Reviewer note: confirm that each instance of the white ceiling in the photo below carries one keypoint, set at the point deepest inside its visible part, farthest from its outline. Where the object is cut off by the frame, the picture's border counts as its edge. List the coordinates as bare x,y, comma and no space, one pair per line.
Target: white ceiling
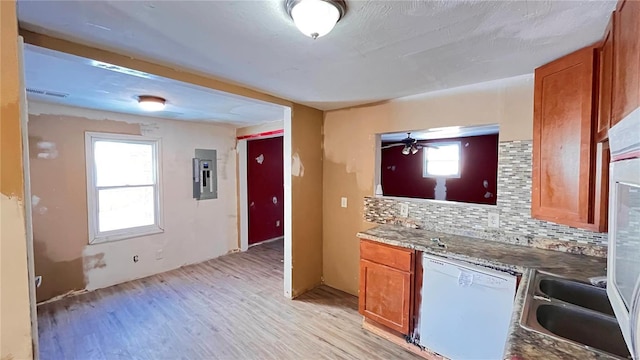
90,84
443,133
379,50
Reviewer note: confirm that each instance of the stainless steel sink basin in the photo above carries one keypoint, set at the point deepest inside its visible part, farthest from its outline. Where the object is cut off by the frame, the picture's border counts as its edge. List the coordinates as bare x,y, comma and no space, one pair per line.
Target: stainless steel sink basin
572,311
582,326
577,293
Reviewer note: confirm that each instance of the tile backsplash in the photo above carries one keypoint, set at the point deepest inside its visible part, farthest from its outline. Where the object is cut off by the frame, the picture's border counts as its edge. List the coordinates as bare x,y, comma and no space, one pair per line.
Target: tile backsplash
513,206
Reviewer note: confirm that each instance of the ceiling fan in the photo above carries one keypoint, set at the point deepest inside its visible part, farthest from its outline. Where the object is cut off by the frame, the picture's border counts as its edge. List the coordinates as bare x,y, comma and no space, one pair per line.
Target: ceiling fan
410,145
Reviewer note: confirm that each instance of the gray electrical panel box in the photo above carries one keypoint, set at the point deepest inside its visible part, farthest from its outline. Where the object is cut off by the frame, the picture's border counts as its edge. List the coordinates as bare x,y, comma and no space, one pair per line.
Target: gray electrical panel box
205,175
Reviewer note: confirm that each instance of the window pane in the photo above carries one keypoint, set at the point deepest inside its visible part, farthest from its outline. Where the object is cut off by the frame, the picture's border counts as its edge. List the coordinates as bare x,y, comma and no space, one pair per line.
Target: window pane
443,160
442,168
443,152
119,163
124,208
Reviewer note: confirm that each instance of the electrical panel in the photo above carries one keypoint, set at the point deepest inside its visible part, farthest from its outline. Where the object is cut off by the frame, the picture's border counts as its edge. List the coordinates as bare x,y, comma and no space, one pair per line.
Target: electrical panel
205,175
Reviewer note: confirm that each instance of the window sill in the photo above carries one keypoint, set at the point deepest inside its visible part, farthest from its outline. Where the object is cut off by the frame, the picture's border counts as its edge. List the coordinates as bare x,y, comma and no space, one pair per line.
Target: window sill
96,240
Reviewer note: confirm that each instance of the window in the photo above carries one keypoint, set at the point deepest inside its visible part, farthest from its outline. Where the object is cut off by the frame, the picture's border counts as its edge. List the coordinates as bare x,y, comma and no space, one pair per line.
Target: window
123,189
442,160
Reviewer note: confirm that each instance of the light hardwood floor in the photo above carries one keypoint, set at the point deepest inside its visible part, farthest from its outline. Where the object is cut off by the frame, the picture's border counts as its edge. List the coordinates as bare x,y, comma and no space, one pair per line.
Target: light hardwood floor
231,307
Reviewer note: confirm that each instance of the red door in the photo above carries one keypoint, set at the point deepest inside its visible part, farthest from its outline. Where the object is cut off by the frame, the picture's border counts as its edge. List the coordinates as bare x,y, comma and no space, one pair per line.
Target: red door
265,189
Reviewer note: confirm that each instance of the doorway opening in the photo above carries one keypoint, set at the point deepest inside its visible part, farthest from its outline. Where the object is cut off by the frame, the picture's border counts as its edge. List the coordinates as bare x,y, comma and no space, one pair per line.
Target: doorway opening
100,265
265,189
264,179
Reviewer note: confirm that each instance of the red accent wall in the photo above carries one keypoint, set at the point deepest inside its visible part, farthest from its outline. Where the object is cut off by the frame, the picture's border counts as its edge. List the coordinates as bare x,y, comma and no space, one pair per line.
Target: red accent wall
265,181
402,174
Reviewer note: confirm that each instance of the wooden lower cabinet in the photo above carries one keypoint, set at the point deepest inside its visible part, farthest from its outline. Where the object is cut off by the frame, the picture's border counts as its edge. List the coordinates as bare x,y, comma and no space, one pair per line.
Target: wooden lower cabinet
385,295
386,292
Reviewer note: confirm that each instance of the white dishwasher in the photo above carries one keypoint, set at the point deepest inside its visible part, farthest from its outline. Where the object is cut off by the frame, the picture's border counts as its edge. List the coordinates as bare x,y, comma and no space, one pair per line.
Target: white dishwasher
465,310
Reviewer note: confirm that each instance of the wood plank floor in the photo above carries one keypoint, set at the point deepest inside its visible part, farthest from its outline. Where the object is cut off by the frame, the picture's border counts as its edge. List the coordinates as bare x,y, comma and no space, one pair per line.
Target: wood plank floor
231,307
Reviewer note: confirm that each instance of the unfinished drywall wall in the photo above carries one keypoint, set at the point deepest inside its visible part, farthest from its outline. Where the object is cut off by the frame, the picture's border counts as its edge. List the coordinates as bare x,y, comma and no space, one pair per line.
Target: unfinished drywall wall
194,231
306,198
15,321
350,146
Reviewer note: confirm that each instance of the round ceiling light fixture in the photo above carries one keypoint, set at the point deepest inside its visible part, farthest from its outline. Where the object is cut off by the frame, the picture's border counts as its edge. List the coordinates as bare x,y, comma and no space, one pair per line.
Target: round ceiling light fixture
316,18
151,103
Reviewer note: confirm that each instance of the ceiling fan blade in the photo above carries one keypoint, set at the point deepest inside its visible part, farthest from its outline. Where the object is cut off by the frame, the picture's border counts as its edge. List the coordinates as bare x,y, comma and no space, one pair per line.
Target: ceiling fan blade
391,145
426,145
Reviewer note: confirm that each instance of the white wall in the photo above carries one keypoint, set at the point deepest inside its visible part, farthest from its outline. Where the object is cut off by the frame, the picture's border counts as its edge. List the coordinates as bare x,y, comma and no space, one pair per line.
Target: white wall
194,231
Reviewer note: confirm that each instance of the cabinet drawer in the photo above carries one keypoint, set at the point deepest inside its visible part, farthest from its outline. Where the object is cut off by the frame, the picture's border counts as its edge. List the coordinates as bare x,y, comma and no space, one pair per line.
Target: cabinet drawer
392,256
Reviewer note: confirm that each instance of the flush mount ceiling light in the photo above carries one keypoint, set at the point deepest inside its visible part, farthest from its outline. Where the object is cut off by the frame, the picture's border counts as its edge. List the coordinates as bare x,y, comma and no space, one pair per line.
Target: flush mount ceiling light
151,103
315,18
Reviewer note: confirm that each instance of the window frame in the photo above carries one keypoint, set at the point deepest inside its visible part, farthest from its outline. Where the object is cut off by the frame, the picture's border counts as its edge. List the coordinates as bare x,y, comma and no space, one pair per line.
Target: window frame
97,237
425,160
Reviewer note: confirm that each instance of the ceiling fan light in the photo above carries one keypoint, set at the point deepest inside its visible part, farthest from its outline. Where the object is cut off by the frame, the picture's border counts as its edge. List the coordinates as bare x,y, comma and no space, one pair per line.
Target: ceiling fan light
151,103
406,150
414,149
315,18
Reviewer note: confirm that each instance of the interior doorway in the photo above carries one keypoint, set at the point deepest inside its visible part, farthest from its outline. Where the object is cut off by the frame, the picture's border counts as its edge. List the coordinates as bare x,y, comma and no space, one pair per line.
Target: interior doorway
265,189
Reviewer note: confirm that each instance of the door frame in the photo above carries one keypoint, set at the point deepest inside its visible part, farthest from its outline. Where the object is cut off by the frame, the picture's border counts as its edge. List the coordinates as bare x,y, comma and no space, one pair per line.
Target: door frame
243,190
26,173
243,206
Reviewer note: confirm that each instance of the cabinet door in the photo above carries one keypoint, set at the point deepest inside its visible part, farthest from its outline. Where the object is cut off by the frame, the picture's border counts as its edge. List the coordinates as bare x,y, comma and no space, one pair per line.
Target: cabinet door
385,295
626,92
606,83
562,140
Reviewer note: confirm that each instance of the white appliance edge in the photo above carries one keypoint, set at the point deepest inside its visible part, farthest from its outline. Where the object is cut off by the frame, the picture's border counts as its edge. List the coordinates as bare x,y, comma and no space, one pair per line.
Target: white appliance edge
624,173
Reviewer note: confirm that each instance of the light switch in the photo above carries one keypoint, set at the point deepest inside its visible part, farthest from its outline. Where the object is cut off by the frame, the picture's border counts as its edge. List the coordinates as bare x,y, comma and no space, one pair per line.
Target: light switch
343,202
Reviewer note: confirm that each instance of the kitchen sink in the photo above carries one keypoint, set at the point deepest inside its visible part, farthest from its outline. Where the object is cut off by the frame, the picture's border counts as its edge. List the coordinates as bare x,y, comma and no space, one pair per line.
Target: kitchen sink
582,326
577,293
573,311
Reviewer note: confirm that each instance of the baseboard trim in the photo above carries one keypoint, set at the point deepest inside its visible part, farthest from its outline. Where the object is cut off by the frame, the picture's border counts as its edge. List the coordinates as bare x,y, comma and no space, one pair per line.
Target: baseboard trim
267,241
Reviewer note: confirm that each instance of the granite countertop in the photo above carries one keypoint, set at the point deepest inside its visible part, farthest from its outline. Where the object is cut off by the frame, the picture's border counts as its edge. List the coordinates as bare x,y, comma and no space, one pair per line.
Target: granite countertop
522,343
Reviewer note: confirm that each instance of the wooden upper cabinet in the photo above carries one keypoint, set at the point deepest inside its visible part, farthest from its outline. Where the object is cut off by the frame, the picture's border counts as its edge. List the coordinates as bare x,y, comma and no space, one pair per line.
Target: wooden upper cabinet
626,89
563,150
605,83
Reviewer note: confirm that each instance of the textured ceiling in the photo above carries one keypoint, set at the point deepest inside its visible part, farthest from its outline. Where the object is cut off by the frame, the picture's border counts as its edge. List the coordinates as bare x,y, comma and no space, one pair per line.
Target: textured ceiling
379,50
116,89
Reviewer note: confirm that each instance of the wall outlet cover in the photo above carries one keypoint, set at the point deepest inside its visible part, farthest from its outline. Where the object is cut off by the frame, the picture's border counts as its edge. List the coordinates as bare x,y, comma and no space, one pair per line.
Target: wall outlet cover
494,220
343,202
159,254
404,210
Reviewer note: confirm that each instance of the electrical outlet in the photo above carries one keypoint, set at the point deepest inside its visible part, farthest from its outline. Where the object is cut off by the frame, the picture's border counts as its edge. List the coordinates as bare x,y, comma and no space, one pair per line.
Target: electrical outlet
404,210
277,223
159,254
343,202
494,220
